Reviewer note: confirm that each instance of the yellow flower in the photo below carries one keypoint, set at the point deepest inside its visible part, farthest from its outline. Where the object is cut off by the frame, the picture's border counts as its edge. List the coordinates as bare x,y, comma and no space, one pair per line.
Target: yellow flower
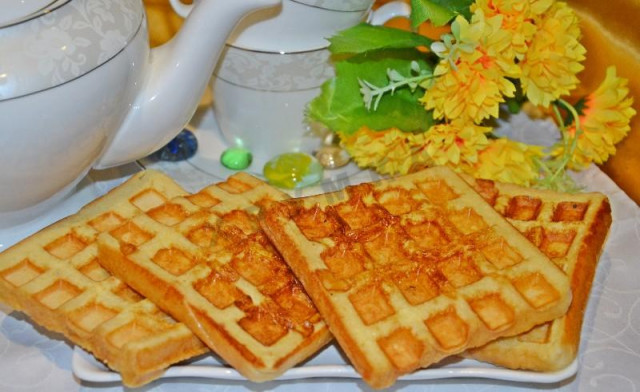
455,144
517,18
483,40
506,160
552,61
388,152
472,78
604,122
471,93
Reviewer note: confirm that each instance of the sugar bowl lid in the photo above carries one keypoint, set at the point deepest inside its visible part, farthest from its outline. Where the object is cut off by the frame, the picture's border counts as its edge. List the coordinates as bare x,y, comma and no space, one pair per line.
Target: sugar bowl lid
45,43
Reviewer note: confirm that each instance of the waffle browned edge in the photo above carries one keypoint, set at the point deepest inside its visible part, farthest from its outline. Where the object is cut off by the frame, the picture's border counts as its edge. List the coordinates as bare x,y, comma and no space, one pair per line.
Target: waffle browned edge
214,336
57,322
524,355
269,219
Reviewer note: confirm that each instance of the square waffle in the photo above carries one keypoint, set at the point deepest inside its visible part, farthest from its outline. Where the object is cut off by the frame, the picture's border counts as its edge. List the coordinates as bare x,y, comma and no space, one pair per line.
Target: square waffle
571,230
54,278
410,270
204,259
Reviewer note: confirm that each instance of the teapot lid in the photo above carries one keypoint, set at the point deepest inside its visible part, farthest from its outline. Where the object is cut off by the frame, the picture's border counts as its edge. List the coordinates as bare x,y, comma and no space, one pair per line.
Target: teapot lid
45,43
297,26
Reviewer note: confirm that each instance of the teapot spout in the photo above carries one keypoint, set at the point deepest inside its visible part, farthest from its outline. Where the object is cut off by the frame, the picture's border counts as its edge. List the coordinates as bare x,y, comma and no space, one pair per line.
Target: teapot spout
177,75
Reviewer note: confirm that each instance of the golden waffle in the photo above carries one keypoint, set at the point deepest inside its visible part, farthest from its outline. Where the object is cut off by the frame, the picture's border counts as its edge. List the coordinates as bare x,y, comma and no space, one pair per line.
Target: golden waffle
410,270
54,277
571,230
205,260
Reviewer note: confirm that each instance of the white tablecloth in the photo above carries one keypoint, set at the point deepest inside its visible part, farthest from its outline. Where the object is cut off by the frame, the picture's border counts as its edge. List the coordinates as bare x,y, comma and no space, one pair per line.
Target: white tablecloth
33,359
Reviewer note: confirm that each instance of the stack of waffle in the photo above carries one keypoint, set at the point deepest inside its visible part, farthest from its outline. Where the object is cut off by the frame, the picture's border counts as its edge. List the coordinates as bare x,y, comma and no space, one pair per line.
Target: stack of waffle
403,272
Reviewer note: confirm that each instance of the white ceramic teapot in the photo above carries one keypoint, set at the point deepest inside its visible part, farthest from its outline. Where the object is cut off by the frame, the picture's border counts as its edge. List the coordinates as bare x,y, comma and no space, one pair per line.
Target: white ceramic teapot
80,89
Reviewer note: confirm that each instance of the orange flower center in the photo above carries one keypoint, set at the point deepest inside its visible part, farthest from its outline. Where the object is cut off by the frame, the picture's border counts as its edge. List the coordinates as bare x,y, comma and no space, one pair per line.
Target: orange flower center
485,61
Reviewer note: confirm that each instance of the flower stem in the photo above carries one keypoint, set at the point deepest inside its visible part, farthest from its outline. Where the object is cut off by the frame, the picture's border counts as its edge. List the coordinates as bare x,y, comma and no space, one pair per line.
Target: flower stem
554,171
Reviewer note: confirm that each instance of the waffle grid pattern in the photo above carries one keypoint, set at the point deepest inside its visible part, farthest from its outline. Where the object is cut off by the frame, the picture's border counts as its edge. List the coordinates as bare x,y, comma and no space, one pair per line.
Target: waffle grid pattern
409,271
571,230
205,260
54,277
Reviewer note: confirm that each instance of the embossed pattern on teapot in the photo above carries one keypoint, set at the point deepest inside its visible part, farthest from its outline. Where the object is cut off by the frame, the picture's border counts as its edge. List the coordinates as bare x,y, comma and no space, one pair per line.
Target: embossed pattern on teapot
60,46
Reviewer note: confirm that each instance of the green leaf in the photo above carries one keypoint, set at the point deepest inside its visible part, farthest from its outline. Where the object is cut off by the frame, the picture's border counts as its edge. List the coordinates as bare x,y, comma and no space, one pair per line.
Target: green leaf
439,12
340,105
365,37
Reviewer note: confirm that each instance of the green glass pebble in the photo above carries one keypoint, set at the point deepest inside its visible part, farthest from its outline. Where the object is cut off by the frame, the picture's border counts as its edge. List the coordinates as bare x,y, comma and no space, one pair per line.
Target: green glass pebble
236,158
293,170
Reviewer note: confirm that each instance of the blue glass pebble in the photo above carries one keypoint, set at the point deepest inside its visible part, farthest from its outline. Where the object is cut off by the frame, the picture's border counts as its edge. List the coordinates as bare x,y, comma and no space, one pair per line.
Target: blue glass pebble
182,147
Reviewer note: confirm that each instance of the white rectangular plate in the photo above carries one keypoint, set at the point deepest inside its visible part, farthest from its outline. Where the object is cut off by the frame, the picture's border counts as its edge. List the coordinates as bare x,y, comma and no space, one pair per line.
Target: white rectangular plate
327,364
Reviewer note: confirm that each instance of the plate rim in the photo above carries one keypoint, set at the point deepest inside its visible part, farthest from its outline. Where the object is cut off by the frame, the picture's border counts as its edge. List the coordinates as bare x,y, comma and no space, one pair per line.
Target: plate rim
87,368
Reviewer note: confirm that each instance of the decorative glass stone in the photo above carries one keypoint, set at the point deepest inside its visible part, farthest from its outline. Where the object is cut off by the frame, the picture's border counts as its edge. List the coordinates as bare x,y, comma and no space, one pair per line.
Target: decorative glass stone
293,170
236,158
332,157
182,147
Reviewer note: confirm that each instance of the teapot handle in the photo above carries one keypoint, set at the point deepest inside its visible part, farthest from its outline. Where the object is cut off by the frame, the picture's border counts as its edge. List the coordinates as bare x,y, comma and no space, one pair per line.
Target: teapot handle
385,13
174,78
